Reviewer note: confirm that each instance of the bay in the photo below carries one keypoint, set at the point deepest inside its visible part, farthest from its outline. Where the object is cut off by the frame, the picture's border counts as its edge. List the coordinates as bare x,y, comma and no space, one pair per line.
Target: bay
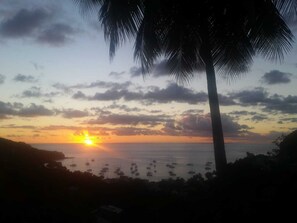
151,161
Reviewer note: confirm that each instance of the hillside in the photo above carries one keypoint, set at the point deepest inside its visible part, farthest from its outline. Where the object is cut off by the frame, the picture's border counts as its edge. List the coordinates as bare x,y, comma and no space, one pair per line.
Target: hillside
19,152
258,187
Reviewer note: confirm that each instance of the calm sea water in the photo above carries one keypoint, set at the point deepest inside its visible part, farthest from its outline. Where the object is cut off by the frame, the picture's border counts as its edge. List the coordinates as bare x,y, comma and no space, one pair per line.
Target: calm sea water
152,161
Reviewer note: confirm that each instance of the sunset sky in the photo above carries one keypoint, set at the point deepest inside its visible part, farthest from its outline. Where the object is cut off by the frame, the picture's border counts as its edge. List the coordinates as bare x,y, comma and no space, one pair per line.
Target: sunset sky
57,84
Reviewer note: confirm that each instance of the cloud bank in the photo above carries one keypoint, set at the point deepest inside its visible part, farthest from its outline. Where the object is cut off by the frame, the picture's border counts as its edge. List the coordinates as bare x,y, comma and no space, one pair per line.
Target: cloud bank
276,77
38,24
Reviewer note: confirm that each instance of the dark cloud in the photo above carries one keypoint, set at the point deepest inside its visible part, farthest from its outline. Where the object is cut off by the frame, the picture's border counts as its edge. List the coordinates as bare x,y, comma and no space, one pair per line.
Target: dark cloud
35,92
273,135
62,87
60,127
225,100
25,78
38,24
101,111
290,99
126,119
79,95
122,108
233,129
93,132
250,97
171,93
175,93
116,74
103,84
102,131
259,117
34,110
135,71
286,105
116,91
79,130
113,94
172,129
269,103
48,101
240,113
253,116
276,77
288,120
56,35
128,131
18,105
155,111
13,126
112,87
190,125
24,23
6,109
160,69
193,111
2,79
200,125
18,109
109,95
73,113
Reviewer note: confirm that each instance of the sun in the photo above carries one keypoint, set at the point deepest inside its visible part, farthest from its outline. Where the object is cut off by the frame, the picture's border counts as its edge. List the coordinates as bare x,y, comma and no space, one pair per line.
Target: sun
87,139
88,142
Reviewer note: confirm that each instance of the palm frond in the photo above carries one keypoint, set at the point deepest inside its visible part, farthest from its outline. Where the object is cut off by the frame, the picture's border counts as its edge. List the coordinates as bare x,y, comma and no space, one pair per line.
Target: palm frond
89,6
287,8
270,35
147,46
120,20
258,28
182,53
237,30
232,50
181,40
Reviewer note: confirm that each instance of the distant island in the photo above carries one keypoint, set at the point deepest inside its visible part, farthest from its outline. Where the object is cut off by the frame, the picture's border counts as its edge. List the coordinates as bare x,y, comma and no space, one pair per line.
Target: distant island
35,187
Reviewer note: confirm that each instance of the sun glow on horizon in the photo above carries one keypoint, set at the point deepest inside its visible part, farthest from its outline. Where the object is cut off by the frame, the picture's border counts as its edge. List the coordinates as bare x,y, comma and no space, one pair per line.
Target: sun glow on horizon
88,139
88,142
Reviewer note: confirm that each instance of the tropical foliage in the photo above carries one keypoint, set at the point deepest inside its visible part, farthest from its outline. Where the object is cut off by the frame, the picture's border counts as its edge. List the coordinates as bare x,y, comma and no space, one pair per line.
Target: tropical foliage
195,36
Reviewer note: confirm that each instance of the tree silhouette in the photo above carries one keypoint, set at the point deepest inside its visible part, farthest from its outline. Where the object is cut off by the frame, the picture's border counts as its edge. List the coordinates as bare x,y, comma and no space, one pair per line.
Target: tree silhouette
195,36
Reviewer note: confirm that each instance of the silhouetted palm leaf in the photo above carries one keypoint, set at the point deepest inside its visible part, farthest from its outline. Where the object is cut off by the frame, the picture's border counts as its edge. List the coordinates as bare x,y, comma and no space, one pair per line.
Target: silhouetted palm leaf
199,35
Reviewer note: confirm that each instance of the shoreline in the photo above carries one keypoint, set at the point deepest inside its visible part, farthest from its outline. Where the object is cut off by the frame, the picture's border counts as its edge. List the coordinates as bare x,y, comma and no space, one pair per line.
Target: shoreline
32,193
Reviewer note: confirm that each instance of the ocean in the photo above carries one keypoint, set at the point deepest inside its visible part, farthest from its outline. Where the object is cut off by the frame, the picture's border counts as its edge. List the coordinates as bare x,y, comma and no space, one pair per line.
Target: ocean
151,161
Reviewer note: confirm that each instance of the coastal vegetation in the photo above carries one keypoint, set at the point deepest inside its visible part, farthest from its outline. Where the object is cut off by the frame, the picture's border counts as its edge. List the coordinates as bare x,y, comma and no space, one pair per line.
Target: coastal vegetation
35,187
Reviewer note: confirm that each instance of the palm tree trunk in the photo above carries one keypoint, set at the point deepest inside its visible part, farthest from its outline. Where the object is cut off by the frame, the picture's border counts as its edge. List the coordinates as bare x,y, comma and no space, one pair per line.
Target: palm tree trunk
217,129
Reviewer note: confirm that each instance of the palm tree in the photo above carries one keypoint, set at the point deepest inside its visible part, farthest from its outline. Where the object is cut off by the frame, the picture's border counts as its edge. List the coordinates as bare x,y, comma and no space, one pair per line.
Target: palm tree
221,35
